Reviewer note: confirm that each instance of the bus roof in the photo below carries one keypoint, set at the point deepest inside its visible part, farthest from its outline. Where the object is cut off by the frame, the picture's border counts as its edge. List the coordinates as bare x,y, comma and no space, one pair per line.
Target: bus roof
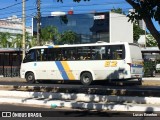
78,45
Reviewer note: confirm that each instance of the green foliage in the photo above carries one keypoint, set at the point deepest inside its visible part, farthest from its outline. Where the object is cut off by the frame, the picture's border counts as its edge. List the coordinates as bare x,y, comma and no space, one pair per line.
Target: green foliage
49,33
32,42
118,10
17,40
149,67
151,42
4,37
68,37
137,31
145,8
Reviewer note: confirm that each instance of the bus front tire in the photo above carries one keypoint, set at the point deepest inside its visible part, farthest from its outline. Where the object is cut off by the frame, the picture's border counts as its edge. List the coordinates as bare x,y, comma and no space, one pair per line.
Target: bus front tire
30,77
86,78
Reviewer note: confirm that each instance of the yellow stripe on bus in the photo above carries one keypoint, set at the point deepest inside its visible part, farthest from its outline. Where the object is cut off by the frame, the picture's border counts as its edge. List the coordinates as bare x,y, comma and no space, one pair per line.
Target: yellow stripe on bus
56,46
68,70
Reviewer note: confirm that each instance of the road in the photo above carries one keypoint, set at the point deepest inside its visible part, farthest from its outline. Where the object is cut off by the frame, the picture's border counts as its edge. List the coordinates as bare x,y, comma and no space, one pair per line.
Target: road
51,112
67,113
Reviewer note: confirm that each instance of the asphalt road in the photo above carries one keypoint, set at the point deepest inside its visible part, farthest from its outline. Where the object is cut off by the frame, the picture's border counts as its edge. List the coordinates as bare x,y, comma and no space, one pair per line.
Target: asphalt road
52,112
67,114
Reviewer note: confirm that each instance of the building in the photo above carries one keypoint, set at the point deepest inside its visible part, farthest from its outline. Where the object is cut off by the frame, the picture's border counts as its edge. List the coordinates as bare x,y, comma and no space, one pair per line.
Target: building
92,27
13,25
142,24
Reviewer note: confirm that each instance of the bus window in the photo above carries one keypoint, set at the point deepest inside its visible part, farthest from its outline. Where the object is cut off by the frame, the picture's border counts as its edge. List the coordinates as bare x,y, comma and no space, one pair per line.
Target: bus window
98,53
58,54
84,53
41,54
30,56
115,52
69,54
50,54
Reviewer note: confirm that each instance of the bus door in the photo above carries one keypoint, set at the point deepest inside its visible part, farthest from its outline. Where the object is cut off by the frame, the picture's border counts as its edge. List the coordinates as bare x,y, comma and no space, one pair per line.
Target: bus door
41,66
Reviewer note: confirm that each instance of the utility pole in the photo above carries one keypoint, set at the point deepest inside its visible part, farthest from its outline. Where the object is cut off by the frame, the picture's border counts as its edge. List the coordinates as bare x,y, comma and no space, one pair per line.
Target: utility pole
38,22
23,28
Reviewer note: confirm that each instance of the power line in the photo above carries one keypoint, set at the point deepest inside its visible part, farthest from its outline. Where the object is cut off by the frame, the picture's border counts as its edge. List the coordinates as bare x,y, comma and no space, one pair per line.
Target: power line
12,5
72,6
85,5
19,11
31,15
32,9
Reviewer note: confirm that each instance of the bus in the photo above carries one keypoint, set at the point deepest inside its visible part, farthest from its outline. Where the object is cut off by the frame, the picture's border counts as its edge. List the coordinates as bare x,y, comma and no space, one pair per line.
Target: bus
84,62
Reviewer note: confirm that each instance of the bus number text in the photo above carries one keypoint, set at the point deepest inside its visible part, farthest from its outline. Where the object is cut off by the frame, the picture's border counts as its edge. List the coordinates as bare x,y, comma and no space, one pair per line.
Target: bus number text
110,63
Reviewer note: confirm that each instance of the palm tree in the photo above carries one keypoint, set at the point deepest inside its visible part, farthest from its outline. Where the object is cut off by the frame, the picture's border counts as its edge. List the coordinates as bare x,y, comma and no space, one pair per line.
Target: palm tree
17,40
32,42
69,37
4,37
50,34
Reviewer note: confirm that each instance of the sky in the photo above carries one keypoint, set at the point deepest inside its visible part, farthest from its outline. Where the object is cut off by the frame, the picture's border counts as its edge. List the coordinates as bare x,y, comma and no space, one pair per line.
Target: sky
14,7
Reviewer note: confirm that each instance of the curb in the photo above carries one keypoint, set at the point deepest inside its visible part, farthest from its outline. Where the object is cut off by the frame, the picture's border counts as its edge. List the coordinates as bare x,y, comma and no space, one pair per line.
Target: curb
95,102
151,78
80,105
81,97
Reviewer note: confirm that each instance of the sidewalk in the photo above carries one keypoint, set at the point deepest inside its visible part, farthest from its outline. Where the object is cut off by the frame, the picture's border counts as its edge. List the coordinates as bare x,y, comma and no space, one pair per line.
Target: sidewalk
146,80
15,79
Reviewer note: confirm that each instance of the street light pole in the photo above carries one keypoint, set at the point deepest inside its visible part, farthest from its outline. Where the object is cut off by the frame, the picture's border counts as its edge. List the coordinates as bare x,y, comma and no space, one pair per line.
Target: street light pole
23,28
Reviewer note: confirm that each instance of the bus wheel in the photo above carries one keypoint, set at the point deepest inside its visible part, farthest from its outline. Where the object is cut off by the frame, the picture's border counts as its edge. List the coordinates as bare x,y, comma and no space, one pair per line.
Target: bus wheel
30,77
86,78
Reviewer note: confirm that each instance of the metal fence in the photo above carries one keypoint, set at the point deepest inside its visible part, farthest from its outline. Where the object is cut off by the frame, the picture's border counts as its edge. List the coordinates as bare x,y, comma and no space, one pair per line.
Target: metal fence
10,63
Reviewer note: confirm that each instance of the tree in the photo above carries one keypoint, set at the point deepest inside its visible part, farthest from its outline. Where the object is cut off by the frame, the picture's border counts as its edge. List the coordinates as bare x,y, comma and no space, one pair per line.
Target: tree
137,31
151,42
146,10
33,42
118,10
17,40
68,37
29,40
50,34
4,37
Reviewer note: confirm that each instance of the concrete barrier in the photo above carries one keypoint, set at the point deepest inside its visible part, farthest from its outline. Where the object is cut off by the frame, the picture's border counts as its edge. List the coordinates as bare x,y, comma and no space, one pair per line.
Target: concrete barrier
81,97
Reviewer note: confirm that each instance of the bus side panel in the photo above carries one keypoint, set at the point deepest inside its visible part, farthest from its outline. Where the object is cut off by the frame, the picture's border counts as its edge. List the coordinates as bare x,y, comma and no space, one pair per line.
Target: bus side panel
27,67
99,69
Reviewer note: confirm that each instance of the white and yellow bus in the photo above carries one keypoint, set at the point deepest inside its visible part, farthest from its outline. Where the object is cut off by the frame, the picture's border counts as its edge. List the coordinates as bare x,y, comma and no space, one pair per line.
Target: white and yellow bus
84,62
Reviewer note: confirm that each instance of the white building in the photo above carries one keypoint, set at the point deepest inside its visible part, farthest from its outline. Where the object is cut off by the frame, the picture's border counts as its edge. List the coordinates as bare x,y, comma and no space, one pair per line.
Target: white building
120,28
13,25
142,24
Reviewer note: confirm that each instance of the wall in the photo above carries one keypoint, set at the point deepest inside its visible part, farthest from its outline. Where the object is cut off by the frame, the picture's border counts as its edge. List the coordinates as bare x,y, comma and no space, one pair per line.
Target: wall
120,28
